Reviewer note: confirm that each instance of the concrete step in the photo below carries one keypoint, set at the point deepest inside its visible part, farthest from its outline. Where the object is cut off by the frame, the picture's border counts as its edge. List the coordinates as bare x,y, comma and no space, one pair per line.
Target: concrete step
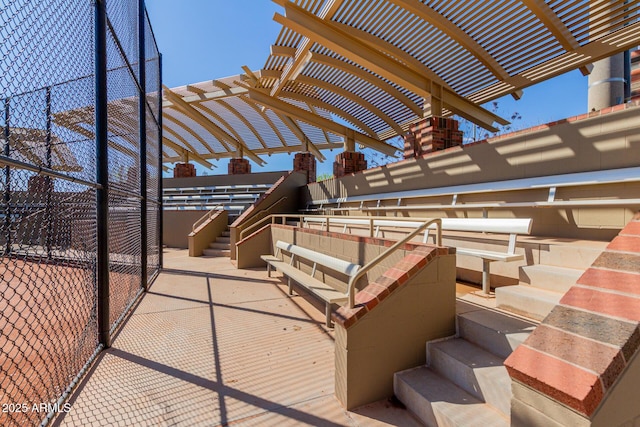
473,369
218,245
495,332
222,239
526,300
216,252
578,255
438,402
550,277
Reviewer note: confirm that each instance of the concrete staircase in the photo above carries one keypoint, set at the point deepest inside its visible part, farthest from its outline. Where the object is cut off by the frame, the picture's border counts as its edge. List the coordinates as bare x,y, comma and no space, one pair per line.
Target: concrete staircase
464,382
221,247
542,285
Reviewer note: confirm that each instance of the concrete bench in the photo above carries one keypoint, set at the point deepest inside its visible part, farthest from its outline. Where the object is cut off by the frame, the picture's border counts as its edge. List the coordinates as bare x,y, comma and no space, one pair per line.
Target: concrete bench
316,287
511,226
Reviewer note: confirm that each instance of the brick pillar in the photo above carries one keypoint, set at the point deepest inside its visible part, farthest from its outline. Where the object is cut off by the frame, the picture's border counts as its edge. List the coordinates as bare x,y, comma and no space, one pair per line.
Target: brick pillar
348,162
239,166
184,170
431,134
305,162
40,184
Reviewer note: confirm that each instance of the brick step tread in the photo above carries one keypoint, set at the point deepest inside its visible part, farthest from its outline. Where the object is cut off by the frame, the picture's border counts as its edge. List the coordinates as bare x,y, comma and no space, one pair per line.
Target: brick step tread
496,332
437,401
526,300
475,370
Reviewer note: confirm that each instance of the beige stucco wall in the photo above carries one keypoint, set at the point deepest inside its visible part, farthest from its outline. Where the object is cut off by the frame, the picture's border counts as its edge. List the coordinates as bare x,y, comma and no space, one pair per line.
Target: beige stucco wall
605,142
207,233
176,226
392,336
290,188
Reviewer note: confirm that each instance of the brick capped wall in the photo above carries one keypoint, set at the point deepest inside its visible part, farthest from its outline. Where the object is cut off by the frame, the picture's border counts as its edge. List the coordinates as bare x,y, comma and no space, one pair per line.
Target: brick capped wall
431,134
184,170
579,351
239,166
305,162
348,162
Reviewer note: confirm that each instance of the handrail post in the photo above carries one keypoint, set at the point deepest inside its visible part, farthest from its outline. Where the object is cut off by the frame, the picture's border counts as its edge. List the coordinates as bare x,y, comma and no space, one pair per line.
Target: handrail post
370,227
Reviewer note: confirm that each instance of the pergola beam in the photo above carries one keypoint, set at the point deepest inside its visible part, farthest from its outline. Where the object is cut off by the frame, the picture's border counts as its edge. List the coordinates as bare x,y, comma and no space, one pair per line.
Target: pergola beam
556,27
301,56
368,77
430,15
211,127
192,154
334,38
318,121
209,96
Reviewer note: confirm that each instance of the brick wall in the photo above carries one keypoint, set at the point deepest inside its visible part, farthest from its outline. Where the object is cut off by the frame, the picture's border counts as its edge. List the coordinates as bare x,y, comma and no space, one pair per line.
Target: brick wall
184,170
348,162
239,166
305,162
584,346
431,134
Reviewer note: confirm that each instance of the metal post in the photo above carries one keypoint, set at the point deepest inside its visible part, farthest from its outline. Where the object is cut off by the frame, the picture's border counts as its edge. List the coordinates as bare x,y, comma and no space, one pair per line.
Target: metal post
160,202
142,113
48,180
7,176
102,172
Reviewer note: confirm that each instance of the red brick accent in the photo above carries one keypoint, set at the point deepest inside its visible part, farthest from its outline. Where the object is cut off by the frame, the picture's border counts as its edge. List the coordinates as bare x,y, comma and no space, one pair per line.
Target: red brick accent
375,292
348,162
305,162
184,170
431,134
577,388
609,279
594,356
585,363
614,305
239,166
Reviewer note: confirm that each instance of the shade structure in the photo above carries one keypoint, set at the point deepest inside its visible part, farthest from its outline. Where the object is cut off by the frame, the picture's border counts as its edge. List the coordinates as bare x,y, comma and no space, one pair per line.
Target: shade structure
365,70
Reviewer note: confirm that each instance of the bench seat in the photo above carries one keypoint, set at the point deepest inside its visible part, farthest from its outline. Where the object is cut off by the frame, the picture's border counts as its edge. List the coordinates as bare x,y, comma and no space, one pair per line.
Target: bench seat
491,255
316,287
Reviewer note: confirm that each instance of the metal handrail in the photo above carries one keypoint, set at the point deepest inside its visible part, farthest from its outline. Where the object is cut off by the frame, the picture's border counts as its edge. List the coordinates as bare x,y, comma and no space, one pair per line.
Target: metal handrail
271,217
208,216
242,226
354,279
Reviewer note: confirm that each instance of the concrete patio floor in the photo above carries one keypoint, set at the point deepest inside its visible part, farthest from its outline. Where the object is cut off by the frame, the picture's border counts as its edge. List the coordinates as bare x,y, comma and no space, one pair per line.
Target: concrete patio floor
211,345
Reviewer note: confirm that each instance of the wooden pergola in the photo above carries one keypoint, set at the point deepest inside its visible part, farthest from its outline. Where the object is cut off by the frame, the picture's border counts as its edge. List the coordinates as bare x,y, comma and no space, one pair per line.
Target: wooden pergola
378,66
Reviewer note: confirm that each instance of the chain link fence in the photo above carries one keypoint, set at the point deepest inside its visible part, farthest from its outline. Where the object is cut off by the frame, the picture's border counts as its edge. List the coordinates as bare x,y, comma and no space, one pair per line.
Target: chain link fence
52,278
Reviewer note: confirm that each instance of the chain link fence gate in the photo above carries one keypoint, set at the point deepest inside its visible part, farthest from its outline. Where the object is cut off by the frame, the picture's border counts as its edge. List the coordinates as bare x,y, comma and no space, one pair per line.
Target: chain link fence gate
80,205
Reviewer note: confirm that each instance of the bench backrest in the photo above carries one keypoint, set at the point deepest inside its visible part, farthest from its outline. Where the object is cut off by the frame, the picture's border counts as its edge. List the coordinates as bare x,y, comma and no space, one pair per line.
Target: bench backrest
341,266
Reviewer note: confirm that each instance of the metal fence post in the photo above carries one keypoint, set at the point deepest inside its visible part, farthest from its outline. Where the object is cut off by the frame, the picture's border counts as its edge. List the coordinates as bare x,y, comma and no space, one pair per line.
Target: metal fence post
7,176
160,200
48,179
102,172
142,112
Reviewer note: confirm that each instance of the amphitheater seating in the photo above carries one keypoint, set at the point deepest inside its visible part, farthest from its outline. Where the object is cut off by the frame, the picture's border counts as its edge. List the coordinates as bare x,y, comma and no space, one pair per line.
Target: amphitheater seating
396,201
318,288
234,198
511,226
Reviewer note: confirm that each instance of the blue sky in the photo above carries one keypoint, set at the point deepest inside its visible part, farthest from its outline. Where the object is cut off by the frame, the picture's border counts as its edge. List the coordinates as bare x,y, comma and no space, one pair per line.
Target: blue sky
207,39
